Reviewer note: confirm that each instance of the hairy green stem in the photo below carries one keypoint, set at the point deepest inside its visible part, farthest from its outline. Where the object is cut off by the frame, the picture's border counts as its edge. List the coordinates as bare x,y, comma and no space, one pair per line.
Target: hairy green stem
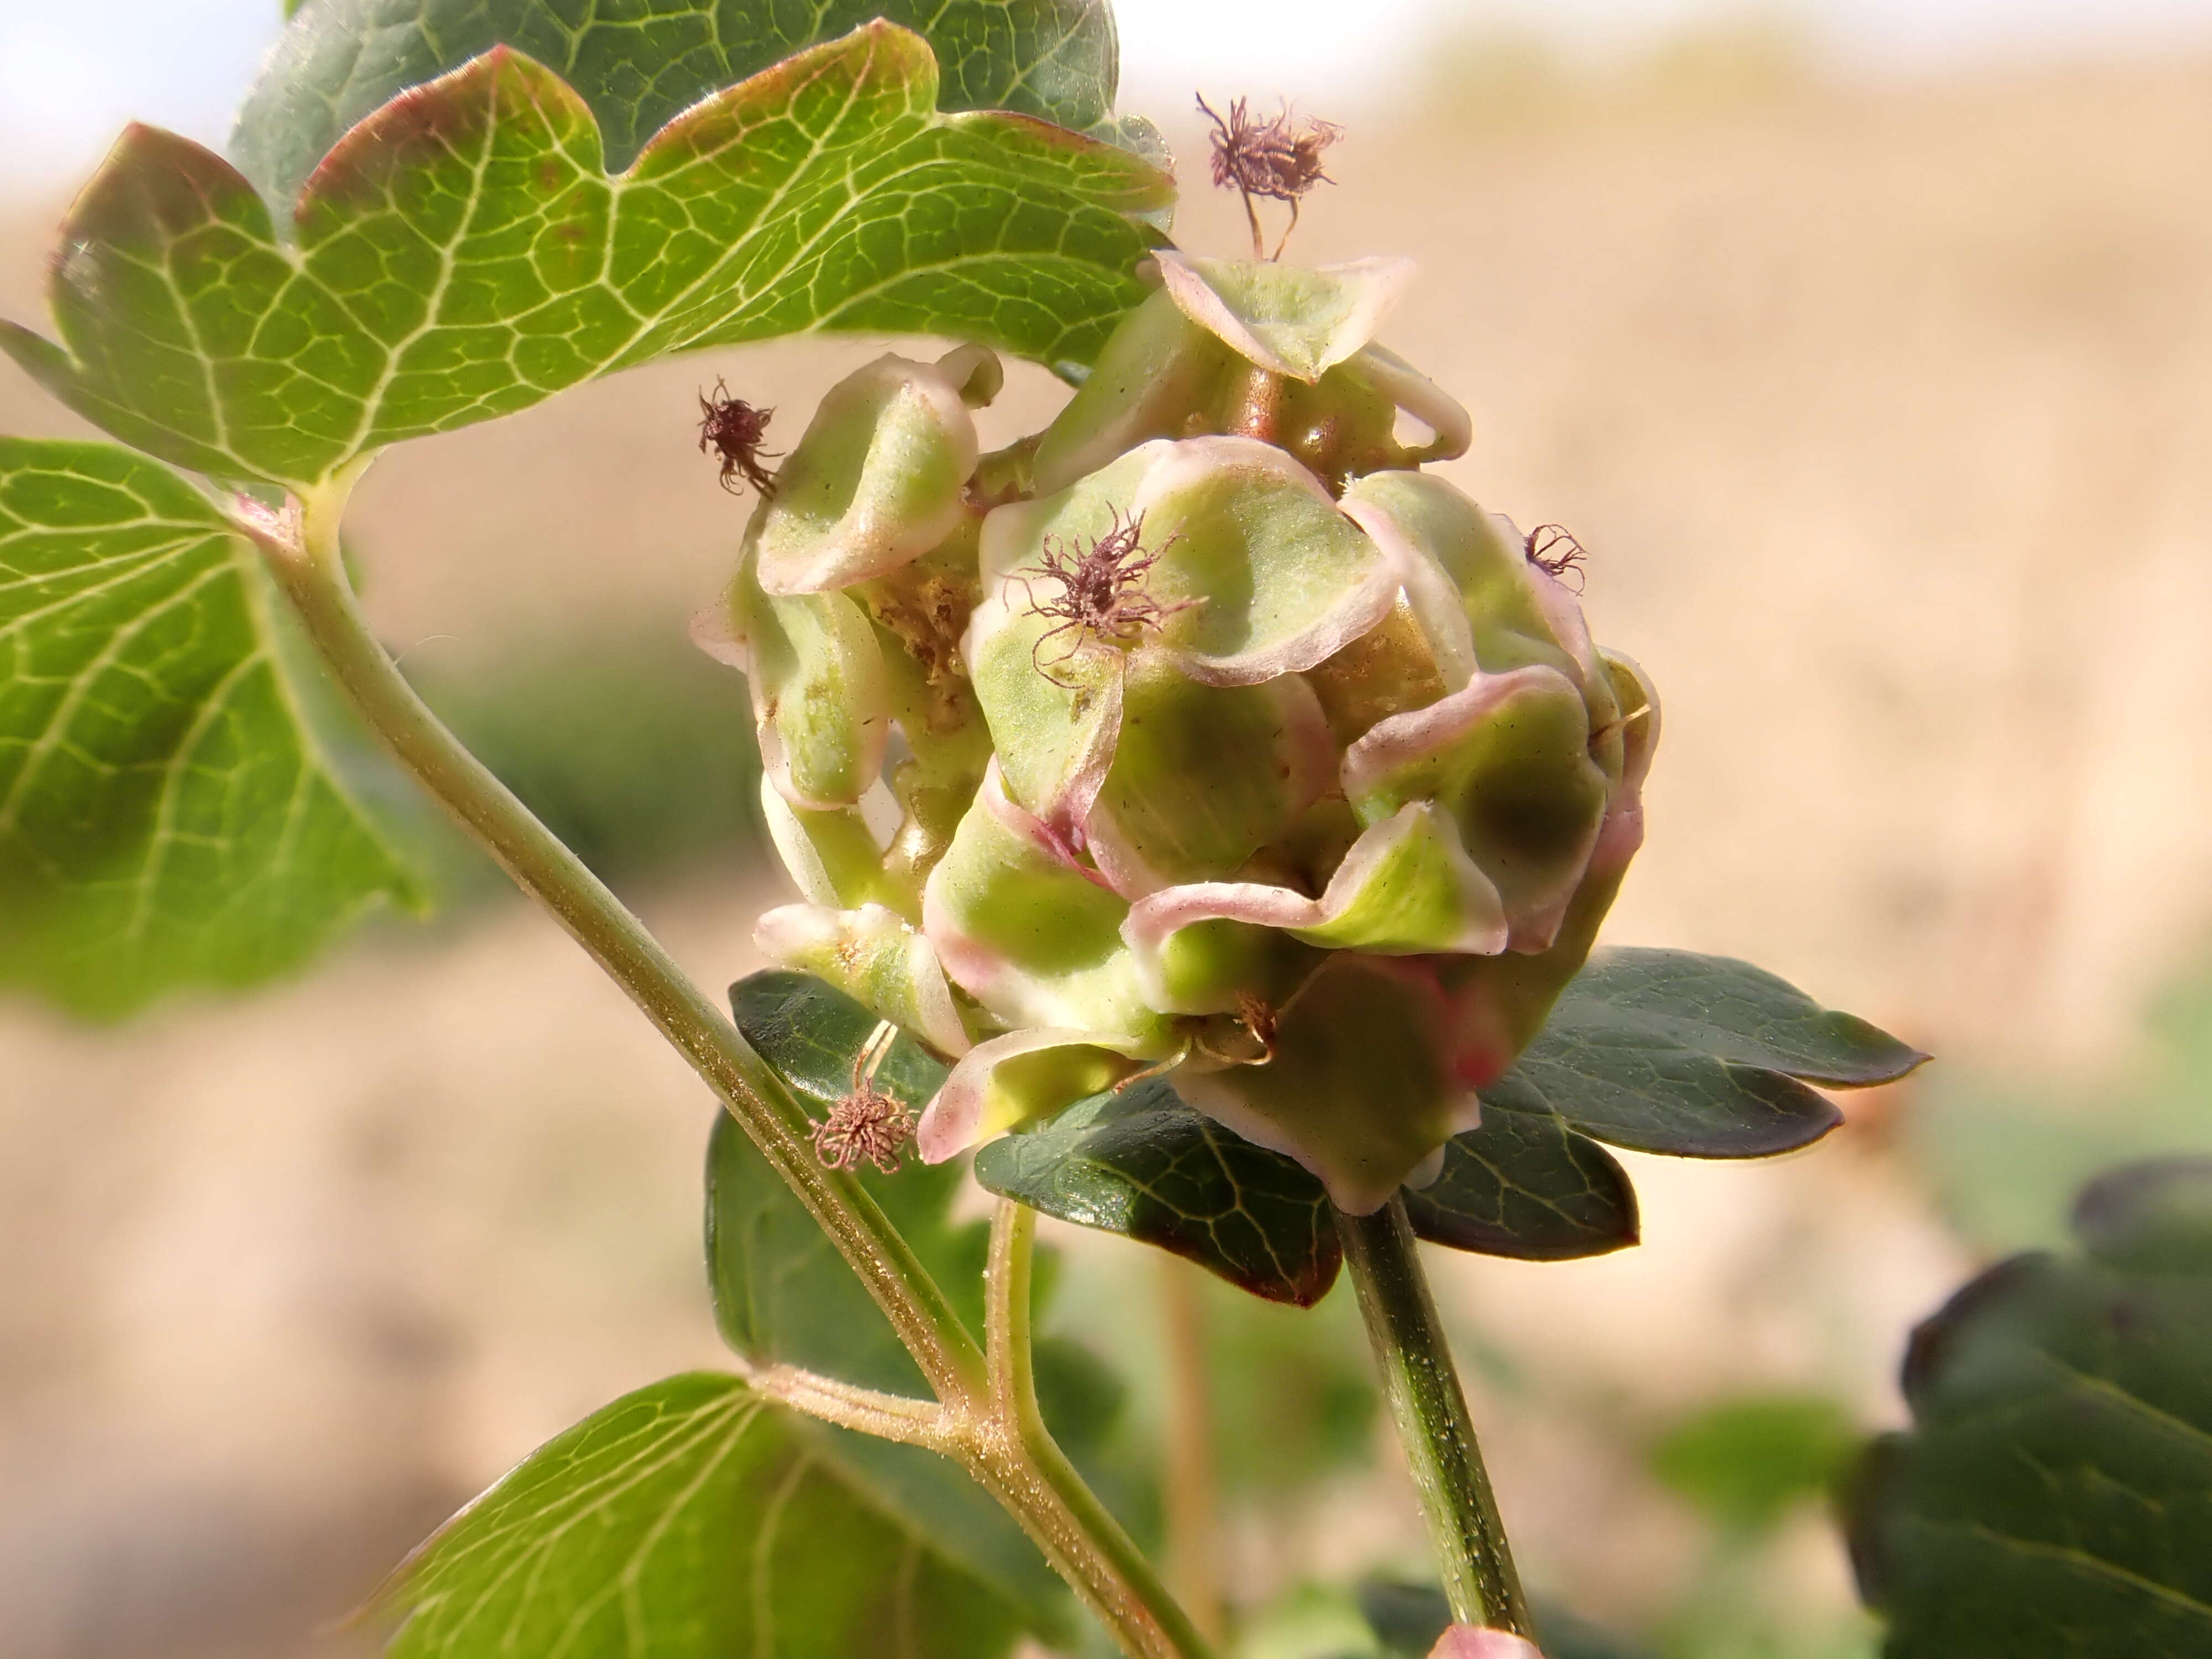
1010,1454
1421,1385
1008,1339
1142,1602
312,575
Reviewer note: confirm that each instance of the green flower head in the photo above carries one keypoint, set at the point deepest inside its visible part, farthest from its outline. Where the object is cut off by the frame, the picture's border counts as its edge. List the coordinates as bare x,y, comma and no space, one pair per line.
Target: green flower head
1202,734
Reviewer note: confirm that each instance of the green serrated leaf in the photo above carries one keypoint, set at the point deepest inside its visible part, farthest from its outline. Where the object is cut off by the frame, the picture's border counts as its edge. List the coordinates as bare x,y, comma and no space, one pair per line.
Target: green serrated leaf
690,1520
1142,1164
1665,1051
638,64
166,820
783,1294
1525,1185
2053,1499
462,254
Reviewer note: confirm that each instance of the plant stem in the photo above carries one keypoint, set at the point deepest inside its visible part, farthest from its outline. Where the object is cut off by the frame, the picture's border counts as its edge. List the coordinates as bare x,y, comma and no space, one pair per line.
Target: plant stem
1140,1600
1422,1386
312,576
1141,1603
1007,1336
1015,1459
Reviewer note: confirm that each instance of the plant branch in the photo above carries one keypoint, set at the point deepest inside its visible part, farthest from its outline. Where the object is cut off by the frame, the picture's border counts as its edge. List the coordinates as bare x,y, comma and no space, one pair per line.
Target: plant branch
1017,1454
1007,1337
1013,1456
307,566
1422,1386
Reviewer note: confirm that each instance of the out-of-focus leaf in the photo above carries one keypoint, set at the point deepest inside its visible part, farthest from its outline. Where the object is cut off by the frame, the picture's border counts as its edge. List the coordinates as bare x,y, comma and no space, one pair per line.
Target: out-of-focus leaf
1142,1164
2007,1152
1564,1634
1746,1462
1408,1619
636,752
1308,1621
2005,1158
2150,1219
638,64
167,818
690,1520
1665,1051
463,253
2054,1495
1524,1184
1292,1391
783,1295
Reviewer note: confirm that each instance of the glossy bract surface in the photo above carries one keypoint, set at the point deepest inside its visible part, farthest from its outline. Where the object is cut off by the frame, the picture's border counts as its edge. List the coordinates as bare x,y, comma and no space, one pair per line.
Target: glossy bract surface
1202,735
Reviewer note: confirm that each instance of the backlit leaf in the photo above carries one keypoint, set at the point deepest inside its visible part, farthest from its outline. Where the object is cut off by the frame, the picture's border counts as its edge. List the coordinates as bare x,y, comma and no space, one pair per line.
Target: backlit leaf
638,64
167,819
690,1520
463,253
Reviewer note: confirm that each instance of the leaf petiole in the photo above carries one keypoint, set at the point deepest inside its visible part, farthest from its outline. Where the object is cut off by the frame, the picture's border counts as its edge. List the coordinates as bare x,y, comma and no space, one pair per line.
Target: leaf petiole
865,1410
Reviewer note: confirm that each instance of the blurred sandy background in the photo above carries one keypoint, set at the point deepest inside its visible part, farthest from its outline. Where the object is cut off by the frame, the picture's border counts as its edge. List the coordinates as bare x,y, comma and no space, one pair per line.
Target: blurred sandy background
1884,403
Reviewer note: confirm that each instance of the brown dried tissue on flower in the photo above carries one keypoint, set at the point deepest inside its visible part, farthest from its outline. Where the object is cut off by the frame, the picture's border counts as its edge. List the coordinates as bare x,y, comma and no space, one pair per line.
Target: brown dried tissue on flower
1280,160
735,430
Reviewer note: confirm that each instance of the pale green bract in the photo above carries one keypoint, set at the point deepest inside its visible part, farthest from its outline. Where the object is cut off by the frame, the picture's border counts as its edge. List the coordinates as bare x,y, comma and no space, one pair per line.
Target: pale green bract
1202,735
463,253
167,818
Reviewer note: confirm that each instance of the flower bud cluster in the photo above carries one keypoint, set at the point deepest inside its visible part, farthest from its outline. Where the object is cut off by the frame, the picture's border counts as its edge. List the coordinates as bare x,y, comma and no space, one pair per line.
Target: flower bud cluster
1203,734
